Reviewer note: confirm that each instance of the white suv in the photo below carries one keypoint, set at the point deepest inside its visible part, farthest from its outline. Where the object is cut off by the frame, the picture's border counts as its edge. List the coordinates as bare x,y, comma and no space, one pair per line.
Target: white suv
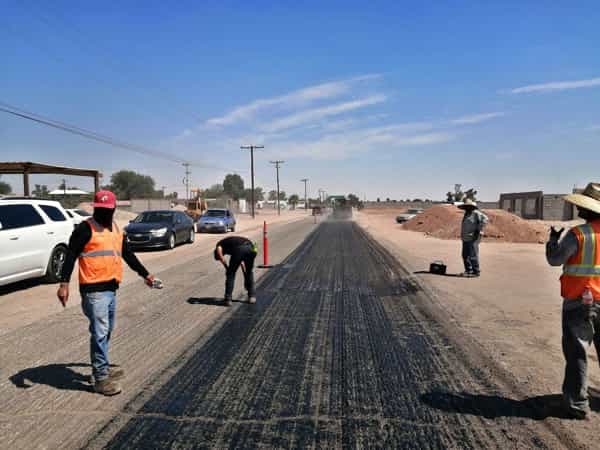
34,235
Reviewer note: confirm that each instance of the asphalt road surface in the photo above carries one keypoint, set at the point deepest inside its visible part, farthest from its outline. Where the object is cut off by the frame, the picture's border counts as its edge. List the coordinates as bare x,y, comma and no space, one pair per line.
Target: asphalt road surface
343,350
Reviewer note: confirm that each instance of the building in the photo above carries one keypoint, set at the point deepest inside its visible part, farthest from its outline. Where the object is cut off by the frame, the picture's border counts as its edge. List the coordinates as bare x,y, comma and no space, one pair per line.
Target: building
537,205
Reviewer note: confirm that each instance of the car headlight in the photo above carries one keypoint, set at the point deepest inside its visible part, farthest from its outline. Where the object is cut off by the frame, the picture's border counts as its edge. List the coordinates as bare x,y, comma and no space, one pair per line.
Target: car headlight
221,223
159,233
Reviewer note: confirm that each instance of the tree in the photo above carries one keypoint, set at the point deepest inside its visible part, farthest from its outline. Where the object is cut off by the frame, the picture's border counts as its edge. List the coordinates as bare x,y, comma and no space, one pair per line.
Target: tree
215,191
258,194
458,195
127,184
5,188
378,199
41,191
233,185
353,200
293,200
272,195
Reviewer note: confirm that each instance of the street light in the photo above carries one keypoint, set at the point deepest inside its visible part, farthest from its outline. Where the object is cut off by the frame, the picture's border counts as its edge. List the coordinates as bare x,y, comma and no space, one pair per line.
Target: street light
305,180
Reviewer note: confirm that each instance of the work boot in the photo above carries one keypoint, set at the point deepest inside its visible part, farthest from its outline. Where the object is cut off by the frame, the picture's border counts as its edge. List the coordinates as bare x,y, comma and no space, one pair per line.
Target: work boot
115,373
252,299
107,387
577,414
227,301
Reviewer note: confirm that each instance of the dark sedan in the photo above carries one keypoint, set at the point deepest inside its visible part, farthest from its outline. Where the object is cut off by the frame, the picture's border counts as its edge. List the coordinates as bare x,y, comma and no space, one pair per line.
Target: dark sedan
159,229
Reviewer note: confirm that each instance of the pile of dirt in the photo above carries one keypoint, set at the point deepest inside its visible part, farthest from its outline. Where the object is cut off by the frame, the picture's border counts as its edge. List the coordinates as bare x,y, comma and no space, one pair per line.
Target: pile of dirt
444,222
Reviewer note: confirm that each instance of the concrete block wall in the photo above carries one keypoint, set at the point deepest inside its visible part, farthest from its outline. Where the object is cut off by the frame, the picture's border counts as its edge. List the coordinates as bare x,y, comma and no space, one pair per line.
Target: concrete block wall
555,208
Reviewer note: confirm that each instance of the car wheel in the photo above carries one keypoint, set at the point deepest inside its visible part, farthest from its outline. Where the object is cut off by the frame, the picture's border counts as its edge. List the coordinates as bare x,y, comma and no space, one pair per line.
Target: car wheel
55,264
192,237
171,242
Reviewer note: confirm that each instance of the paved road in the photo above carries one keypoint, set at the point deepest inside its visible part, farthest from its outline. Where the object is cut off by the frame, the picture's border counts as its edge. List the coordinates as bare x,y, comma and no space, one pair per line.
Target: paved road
45,396
342,350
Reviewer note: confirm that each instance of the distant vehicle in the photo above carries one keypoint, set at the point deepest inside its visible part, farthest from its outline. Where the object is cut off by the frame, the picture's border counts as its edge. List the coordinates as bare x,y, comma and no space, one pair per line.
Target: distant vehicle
78,215
34,235
159,229
411,213
214,219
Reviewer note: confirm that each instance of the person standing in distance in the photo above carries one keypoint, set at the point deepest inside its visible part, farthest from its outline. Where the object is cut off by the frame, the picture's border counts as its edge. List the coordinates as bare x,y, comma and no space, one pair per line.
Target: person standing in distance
242,252
473,223
99,247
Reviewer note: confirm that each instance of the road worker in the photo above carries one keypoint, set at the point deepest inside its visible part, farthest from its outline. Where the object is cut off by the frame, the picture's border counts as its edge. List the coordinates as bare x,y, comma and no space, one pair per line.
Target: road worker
473,223
98,245
579,253
242,253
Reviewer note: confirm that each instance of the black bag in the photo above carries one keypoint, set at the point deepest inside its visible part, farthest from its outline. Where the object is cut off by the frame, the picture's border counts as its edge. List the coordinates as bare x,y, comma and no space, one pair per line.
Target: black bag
438,268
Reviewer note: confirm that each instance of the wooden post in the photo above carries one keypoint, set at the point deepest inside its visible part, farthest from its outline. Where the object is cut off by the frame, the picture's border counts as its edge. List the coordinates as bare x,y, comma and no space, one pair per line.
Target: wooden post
26,183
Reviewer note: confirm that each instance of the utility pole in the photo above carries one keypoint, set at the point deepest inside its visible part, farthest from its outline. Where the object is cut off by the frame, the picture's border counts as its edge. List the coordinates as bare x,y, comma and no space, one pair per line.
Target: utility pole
64,189
305,180
252,148
277,165
186,181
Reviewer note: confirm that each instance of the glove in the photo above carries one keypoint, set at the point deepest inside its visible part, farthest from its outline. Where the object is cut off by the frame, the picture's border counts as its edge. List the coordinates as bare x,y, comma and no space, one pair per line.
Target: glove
555,234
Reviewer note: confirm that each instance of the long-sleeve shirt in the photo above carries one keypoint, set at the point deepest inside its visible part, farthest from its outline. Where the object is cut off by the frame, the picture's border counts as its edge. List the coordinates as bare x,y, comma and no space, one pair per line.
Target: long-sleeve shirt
80,237
472,225
558,253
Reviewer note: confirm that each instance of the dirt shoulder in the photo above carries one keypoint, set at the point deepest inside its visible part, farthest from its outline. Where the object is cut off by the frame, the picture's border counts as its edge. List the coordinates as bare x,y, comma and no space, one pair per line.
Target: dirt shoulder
513,310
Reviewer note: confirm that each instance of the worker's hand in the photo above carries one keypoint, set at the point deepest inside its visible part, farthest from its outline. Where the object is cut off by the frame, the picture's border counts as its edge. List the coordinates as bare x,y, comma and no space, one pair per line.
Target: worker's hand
63,293
225,265
554,234
149,280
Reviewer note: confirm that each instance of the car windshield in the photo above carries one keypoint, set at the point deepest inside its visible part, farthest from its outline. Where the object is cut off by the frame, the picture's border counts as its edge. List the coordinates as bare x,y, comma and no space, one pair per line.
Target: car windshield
82,212
214,213
154,217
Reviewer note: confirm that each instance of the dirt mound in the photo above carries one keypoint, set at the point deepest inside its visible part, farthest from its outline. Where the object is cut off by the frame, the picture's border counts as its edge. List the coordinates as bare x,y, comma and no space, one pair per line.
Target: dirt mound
444,222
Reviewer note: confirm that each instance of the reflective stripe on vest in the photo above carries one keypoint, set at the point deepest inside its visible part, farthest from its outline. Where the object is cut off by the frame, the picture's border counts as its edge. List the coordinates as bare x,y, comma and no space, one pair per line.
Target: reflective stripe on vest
582,271
101,260
588,255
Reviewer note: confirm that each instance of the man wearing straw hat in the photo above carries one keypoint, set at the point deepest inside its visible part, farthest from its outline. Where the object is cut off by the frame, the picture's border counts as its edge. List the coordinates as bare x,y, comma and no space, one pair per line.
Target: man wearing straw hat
579,253
473,224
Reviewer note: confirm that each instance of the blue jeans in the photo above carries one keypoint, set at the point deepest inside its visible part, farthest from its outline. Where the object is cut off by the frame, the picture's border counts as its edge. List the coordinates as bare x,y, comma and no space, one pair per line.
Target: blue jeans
99,308
470,254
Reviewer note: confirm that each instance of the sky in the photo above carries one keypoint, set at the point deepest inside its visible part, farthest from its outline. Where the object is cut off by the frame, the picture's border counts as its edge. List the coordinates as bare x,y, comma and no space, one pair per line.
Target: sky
382,99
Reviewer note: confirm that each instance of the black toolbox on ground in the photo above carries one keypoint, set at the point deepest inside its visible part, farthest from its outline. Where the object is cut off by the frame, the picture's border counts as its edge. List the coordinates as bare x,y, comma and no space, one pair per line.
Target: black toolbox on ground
438,268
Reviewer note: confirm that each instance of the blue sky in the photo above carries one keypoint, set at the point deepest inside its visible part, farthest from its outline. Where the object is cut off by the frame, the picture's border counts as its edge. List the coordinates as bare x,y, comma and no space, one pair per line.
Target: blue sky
386,99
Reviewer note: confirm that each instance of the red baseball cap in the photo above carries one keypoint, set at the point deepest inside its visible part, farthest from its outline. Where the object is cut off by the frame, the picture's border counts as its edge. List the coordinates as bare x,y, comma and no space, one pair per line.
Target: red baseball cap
105,199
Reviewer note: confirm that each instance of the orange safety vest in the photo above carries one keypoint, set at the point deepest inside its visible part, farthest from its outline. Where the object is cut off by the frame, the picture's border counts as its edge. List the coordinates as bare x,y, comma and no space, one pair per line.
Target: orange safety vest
582,271
100,260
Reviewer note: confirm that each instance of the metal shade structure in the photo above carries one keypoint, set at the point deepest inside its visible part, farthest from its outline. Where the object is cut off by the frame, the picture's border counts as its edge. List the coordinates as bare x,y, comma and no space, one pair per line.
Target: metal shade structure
29,168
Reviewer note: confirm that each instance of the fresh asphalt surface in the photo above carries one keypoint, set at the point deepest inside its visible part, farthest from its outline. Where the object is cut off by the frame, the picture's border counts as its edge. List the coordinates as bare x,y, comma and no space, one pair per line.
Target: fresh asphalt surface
342,350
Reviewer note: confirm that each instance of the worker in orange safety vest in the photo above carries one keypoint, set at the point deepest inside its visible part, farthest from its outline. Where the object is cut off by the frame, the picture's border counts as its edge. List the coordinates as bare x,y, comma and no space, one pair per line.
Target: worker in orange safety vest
579,253
99,247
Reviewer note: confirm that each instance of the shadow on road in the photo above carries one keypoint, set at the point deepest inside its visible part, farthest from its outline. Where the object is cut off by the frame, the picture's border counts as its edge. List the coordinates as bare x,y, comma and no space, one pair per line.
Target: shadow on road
59,376
493,406
20,286
211,301
426,272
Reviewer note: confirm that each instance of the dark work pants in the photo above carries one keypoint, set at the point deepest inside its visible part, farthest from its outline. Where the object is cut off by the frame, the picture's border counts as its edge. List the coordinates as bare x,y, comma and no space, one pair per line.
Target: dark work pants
578,335
470,255
242,253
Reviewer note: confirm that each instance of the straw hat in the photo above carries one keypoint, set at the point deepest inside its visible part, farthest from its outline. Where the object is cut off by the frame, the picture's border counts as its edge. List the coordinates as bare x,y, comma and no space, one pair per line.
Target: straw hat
468,202
588,199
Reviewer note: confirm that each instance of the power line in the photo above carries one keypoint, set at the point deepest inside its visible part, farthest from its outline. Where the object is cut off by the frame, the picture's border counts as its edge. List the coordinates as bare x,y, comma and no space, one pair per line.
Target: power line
73,129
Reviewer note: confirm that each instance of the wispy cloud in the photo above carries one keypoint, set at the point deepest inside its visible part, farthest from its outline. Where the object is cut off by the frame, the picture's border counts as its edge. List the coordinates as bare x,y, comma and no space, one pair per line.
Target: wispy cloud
594,128
557,86
338,146
292,99
316,114
476,118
